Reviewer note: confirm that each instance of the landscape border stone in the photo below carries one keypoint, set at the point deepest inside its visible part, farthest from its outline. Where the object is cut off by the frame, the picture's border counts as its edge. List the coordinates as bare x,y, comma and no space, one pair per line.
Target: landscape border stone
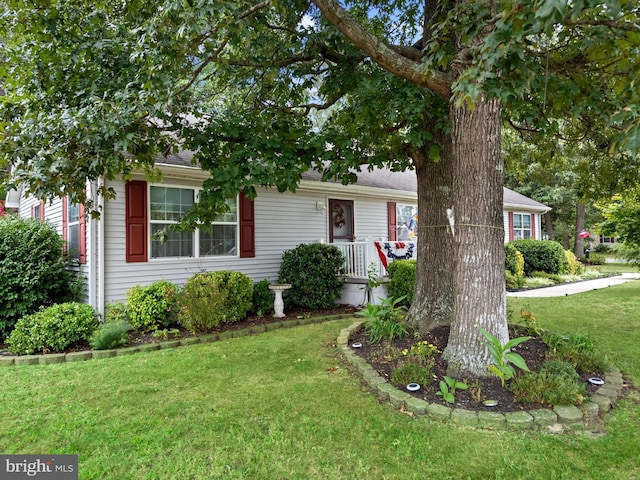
560,415
51,358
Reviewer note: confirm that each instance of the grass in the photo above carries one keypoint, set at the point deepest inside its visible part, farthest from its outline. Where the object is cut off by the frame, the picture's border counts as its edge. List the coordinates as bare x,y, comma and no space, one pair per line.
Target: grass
274,406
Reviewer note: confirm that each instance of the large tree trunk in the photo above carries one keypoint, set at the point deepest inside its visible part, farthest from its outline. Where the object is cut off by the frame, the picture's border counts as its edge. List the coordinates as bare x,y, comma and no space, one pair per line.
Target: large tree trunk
478,288
579,242
432,304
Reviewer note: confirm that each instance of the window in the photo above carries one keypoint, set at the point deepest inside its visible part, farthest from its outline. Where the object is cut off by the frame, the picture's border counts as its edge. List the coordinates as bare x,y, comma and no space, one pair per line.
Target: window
74,230
521,226
37,211
167,205
407,218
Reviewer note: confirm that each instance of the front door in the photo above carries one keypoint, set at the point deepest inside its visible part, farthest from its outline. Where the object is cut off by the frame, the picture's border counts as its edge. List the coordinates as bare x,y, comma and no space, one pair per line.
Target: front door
341,221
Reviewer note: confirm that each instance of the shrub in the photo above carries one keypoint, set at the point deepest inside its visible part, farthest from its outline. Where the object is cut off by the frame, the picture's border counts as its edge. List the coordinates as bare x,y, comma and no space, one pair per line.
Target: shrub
314,272
402,279
153,306
53,329
410,372
262,298
540,255
115,312
551,276
601,248
385,321
594,259
571,265
548,387
513,260
110,335
577,349
513,282
238,292
201,304
32,269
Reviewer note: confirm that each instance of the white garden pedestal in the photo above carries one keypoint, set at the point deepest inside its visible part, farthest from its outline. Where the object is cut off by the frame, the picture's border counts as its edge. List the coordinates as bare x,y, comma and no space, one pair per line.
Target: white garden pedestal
278,303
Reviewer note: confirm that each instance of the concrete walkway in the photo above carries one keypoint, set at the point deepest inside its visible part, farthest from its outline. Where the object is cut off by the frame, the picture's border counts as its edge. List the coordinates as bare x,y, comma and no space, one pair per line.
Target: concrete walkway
577,287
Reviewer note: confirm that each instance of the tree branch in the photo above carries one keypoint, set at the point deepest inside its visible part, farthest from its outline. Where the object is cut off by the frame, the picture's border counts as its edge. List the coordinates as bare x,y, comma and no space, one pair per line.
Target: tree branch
382,53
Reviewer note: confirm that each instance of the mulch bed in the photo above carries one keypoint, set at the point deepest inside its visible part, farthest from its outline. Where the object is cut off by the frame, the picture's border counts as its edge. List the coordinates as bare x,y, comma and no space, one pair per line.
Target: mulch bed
481,389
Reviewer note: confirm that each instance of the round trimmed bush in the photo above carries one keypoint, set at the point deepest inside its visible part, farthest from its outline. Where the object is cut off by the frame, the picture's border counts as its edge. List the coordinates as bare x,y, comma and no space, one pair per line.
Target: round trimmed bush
540,255
153,306
53,329
262,298
238,291
315,273
32,269
571,265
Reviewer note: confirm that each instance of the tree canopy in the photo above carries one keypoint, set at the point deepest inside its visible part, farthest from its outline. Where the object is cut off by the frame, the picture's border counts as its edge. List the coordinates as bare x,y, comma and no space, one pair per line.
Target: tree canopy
262,91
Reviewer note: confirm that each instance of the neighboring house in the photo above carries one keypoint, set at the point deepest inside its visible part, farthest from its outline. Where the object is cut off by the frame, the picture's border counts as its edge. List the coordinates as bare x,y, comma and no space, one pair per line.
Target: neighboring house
120,250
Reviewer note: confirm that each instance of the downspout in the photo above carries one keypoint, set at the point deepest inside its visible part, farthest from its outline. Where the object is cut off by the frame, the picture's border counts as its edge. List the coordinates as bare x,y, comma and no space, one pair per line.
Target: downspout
100,250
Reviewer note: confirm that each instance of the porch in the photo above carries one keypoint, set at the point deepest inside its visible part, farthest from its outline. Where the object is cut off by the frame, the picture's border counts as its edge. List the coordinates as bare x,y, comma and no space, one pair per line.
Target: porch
369,259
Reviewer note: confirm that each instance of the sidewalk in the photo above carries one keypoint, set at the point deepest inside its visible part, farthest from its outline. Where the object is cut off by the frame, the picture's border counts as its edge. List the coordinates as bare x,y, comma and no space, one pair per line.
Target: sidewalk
577,287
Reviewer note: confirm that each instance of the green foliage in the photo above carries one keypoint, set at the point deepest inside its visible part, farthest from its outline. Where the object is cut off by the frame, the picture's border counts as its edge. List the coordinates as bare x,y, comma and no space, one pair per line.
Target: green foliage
166,333
531,324
503,357
32,270
422,350
238,292
53,329
110,335
262,298
448,387
153,306
402,279
555,278
385,321
577,349
513,260
601,248
540,255
314,272
410,372
594,259
557,383
201,304
116,312
622,218
513,282
571,265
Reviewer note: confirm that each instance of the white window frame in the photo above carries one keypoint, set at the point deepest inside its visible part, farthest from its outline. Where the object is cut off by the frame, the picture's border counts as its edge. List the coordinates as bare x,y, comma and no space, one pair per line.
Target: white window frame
73,253
196,233
522,229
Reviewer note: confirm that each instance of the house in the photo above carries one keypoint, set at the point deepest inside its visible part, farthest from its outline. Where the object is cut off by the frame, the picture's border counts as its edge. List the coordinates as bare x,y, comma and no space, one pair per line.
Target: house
120,249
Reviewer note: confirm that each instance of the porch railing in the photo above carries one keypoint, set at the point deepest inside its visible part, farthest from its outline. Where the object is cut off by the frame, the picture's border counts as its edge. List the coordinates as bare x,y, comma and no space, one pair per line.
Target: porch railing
360,256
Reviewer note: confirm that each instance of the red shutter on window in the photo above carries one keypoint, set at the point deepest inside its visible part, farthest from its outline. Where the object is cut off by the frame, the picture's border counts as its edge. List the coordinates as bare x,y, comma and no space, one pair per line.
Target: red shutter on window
136,221
533,225
82,233
247,228
511,226
392,221
64,222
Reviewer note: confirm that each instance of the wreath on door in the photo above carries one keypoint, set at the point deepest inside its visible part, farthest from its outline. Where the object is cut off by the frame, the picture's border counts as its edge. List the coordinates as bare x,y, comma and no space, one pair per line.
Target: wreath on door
338,216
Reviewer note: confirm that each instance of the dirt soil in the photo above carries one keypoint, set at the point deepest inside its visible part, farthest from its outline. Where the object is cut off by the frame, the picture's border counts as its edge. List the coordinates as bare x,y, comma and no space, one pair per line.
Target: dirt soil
480,389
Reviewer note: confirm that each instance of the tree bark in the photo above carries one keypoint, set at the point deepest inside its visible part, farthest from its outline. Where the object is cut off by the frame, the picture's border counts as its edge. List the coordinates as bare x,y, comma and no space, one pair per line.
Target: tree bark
432,303
478,235
548,225
578,248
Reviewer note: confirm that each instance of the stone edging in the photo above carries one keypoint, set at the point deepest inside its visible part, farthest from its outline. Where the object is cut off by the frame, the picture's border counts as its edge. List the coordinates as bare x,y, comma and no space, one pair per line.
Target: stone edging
47,359
564,415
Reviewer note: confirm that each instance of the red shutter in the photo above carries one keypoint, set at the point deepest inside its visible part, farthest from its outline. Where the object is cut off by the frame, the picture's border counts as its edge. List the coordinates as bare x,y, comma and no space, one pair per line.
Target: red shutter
392,221
82,235
42,211
136,221
533,226
247,228
511,226
64,222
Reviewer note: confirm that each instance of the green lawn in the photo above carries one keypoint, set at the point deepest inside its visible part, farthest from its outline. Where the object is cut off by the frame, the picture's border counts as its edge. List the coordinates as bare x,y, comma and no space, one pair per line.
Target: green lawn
272,406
